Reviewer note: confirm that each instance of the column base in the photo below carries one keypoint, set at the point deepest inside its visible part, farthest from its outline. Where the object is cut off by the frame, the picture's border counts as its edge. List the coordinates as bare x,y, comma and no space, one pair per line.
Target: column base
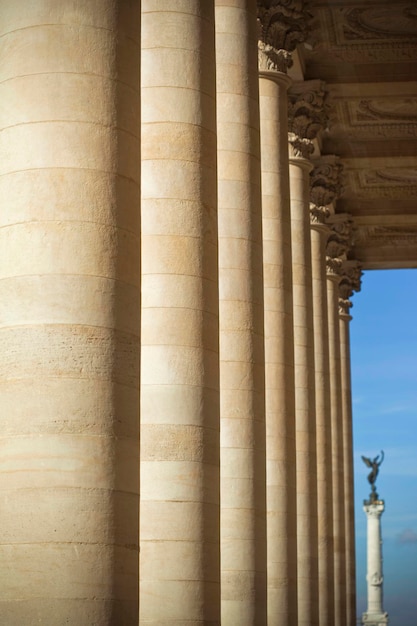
374,619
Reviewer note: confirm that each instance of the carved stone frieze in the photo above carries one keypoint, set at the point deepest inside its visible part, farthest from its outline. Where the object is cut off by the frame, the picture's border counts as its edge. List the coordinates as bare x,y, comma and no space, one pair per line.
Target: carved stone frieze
357,35
389,182
387,109
390,176
394,20
326,181
382,236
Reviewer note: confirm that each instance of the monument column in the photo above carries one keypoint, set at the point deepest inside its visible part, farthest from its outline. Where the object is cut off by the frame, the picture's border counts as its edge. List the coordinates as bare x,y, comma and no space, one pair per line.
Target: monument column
350,282
70,281
306,117
374,507
180,443
336,250
280,29
242,380
324,188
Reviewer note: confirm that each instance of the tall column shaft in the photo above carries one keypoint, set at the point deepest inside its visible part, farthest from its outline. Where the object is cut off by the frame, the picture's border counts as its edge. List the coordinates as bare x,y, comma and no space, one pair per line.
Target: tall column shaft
180,444
374,561
242,381
306,460
319,234
344,322
279,358
337,452
70,274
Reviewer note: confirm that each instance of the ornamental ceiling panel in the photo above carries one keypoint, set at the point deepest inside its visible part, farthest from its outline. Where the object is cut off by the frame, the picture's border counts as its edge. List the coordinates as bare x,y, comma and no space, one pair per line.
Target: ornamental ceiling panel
366,52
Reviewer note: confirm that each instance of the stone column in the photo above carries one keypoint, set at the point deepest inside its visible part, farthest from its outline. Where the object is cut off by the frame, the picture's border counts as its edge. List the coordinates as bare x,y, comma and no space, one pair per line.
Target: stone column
336,251
306,116
280,29
350,282
180,444
69,318
242,380
324,187
375,614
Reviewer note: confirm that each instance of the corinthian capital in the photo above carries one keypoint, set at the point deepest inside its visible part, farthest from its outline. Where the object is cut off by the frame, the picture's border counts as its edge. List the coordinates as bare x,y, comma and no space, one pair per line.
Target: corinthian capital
325,181
350,281
342,226
318,215
333,267
307,114
282,25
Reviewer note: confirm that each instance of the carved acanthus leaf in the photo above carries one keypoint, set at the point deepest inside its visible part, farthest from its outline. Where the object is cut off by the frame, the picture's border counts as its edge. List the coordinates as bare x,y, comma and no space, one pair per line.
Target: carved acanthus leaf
344,305
318,214
351,273
342,225
300,147
269,58
307,109
333,266
283,23
325,181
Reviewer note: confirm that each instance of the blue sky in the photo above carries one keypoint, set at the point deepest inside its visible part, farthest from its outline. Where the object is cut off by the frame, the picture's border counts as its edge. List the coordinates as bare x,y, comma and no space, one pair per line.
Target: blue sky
384,391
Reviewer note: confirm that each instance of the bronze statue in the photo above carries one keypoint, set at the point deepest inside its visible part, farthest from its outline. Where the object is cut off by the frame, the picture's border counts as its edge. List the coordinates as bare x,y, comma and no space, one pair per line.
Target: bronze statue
374,464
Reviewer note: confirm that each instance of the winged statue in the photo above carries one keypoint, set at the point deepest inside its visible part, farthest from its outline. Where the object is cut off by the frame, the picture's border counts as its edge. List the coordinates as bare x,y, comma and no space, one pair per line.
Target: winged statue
374,464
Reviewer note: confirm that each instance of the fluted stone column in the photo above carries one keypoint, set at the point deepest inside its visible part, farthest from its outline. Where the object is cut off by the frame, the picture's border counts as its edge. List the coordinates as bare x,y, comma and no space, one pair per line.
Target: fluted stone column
339,243
280,28
350,282
319,234
306,117
69,318
242,380
333,278
324,188
180,444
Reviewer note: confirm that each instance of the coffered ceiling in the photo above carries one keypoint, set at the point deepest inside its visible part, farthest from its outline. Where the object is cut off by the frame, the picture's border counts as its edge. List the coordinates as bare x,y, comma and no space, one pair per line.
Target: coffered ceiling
366,52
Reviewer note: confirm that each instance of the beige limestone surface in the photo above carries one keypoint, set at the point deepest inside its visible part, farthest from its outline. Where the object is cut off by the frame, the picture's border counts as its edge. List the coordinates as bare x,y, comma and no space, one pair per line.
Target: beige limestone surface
346,390
242,382
279,351
319,234
69,335
179,521
337,451
305,436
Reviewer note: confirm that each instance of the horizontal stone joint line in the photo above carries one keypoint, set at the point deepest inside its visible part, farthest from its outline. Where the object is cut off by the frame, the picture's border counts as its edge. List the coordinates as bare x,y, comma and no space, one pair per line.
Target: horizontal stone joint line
64,73
73,122
69,25
50,168
67,221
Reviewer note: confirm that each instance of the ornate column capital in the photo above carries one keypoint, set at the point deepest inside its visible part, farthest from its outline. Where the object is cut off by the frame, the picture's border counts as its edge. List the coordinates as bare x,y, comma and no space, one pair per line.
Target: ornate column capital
307,116
351,272
333,267
340,240
282,25
325,188
326,180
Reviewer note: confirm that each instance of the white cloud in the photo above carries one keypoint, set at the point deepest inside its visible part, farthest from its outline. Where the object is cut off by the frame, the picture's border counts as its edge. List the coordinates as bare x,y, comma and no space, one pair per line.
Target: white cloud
407,536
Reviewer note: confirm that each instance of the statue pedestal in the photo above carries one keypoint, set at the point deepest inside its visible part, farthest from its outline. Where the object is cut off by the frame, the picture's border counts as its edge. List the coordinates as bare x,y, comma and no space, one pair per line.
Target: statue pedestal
375,615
